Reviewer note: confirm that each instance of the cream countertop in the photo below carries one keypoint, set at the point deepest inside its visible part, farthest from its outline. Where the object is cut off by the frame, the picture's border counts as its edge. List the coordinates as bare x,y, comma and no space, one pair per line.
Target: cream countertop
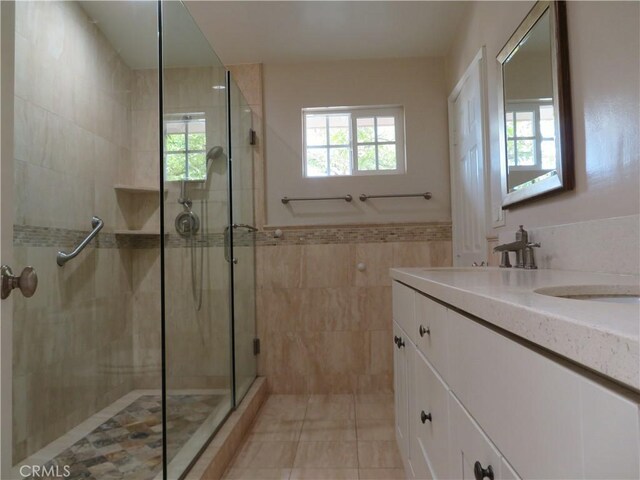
598,335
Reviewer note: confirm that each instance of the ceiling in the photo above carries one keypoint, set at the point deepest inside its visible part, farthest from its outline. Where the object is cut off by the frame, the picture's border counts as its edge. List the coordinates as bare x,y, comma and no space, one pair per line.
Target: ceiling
277,32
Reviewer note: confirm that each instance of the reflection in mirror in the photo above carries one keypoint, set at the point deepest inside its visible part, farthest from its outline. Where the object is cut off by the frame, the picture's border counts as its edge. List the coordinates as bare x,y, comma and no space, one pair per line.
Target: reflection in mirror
536,158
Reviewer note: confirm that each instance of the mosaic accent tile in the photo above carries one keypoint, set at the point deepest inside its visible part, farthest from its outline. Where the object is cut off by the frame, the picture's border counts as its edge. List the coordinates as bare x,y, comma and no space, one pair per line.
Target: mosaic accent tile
128,446
33,236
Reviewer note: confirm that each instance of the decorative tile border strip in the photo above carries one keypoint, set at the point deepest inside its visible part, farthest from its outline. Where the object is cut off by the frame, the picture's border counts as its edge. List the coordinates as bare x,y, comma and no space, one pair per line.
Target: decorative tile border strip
384,233
34,236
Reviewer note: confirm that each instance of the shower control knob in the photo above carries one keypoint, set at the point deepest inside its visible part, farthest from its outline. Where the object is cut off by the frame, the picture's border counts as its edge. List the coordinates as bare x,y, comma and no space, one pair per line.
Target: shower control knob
481,473
27,282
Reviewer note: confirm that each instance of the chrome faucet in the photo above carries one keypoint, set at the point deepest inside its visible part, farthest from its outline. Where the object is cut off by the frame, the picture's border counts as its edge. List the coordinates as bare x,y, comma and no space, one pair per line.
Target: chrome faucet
523,249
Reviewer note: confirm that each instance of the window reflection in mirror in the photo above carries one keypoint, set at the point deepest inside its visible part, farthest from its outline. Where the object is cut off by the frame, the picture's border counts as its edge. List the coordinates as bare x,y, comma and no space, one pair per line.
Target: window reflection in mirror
530,118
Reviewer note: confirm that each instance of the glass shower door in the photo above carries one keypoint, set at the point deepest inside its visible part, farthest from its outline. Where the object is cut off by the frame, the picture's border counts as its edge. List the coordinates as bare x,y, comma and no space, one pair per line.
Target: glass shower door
197,287
244,232
86,372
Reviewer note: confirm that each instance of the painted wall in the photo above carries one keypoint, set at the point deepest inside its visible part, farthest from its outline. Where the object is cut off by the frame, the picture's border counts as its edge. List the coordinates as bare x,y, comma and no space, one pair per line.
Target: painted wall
605,73
417,84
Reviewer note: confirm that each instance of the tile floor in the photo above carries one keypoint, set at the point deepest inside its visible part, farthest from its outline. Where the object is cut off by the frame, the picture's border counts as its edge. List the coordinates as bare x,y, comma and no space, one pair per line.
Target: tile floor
320,437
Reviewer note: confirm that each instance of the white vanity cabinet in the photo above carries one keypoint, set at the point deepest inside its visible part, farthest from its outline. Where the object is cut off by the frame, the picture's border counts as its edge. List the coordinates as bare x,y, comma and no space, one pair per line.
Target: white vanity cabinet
473,401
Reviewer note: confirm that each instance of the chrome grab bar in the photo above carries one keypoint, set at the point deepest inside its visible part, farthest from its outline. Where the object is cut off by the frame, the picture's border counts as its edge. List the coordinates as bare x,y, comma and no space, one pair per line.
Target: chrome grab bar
63,258
286,200
425,195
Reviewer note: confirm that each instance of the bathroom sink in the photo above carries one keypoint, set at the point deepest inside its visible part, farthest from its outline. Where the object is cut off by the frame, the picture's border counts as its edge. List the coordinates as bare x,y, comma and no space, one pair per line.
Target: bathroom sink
628,294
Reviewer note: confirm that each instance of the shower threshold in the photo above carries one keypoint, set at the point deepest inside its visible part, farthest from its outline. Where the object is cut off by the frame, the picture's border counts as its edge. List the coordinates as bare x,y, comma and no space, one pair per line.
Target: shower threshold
124,440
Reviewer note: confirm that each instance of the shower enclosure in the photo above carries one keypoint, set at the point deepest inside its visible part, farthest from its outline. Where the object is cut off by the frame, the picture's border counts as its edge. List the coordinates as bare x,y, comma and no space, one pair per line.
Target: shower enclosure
132,153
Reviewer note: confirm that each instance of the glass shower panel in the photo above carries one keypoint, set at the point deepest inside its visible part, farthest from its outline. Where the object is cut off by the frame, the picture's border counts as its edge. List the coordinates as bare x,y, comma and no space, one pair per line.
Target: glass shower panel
197,311
86,347
244,276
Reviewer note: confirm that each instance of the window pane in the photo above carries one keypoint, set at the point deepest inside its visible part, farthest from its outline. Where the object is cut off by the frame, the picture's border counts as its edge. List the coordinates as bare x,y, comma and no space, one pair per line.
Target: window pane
510,128
176,163
339,130
197,166
176,142
366,131
196,141
387,157
340,161
316,130
525,152
386,129
524,124
316,162
367,157
511,152
548,154
547,126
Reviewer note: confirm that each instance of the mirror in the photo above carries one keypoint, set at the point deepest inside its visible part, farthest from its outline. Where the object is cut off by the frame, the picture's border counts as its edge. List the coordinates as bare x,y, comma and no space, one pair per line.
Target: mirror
535,118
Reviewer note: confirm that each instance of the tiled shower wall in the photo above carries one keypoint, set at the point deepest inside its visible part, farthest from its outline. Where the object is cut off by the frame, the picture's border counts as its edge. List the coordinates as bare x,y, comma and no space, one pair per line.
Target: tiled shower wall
71,139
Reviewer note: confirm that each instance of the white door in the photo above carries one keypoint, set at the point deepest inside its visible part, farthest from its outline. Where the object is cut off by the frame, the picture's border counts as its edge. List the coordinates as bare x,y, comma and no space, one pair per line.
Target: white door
466,147
6,227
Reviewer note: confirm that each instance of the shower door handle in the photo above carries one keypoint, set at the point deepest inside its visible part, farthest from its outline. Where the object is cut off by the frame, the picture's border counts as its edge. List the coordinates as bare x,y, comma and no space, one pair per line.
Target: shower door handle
27,282
227,229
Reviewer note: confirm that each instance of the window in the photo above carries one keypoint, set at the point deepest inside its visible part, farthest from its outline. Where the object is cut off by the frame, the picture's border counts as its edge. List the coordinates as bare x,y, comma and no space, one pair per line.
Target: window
531,136
353,141
185,147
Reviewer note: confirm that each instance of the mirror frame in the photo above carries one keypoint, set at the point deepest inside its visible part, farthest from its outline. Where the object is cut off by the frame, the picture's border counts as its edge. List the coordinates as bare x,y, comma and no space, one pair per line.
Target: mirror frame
565,178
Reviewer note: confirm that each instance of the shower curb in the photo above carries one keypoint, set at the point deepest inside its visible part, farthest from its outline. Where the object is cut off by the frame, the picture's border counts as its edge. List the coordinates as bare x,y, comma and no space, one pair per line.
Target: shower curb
214,461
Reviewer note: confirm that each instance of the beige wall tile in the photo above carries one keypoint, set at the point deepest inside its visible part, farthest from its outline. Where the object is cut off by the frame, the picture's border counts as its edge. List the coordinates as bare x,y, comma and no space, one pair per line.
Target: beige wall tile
381,352
328,265
378,259
279,267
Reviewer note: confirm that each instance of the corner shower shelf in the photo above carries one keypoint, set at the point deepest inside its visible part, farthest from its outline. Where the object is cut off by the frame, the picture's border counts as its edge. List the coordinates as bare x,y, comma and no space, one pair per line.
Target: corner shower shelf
120,187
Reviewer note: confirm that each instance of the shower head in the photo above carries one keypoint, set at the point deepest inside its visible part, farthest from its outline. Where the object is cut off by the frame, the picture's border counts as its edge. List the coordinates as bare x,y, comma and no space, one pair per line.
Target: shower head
215,153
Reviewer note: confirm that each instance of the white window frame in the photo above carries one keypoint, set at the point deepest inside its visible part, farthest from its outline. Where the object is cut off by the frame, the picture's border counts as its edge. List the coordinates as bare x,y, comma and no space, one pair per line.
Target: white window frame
395,111
534,107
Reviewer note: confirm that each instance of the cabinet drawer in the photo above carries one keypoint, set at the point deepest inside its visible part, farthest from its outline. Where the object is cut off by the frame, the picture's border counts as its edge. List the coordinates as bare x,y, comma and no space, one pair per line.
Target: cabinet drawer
404,309
470,445
429,422
547,420
430,332
526,403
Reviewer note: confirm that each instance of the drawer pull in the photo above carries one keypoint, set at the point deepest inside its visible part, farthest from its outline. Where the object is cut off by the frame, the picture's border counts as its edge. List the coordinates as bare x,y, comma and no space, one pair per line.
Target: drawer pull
423,330
425,416
400,342
482,473
396,340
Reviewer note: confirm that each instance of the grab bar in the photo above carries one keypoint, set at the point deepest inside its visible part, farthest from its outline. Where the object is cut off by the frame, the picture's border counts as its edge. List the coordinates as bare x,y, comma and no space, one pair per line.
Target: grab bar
63,258
285,200
425,195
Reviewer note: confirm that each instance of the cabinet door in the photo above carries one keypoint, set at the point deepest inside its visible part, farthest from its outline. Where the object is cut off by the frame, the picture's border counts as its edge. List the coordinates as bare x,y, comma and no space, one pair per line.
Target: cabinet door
611,433
400,382
431,332
404,309
429,422
469,445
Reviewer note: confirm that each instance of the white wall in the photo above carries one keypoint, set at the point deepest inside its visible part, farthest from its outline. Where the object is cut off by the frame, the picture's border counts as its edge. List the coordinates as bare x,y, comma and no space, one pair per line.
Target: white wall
418,84
605,66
